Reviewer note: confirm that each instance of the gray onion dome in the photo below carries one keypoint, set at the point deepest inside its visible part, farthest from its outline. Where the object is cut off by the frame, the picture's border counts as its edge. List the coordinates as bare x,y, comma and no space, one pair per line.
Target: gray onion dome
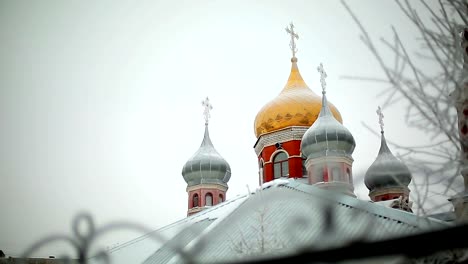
206,165
387,170
327,136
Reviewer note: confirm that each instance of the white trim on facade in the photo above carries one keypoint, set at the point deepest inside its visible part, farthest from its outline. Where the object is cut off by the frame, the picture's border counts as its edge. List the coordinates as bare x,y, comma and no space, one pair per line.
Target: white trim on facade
279,136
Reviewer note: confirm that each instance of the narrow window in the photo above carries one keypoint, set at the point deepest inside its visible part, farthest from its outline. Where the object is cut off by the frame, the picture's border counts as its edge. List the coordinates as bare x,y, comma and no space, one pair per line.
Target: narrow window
208,199
261,176
280,165
220,198
319,175
304,169
336,174
195,200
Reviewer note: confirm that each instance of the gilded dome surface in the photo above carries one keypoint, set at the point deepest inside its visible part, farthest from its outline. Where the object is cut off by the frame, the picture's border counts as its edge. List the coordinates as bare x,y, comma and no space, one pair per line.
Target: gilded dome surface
296,105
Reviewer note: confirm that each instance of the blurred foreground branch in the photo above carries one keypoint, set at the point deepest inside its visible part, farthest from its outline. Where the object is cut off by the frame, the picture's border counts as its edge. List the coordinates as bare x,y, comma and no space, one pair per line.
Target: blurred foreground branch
425,80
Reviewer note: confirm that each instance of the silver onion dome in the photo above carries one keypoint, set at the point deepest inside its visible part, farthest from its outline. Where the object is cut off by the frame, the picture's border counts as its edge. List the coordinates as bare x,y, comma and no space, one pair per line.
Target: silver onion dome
327,136
206,165
387,170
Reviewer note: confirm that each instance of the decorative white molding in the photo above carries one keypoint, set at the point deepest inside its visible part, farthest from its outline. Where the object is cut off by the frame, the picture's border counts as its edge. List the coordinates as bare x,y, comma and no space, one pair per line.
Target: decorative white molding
207,186
277,152
279,136
295,156
325,159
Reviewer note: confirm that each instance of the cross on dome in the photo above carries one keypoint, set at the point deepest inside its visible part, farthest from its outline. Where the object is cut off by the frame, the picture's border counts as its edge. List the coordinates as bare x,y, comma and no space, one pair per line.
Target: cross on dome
294,35
323,75
206,112
381,116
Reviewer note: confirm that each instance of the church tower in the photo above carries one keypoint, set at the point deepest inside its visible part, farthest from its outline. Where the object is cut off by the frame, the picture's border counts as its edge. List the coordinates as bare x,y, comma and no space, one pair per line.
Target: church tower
328,146
281,123
388,178
206,173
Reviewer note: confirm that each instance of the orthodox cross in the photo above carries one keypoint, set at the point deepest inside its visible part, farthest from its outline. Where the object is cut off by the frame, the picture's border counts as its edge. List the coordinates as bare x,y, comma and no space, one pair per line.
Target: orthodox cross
206,103
323,75
294,35
381,116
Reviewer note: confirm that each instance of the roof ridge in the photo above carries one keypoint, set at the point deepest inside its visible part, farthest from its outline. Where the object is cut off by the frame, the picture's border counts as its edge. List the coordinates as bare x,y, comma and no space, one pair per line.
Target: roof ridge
183,220
371,208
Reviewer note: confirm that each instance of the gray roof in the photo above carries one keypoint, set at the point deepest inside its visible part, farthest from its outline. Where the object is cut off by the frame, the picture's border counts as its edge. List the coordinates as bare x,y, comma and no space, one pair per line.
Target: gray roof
167,252
142,248
282,217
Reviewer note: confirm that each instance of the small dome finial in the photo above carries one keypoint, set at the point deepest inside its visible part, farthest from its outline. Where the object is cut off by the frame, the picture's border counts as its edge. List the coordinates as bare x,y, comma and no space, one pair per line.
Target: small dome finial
323,75
208,106
381,116
292,43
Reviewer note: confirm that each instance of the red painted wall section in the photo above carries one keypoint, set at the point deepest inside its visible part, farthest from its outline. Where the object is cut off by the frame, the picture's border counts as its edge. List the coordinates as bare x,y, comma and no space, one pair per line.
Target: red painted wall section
268,172
293,148
202,195
295,167
325,174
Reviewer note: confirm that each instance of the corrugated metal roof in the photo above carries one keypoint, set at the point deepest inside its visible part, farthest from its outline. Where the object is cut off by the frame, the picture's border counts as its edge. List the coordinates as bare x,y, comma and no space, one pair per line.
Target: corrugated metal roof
138,250
167,252
282,219
296,216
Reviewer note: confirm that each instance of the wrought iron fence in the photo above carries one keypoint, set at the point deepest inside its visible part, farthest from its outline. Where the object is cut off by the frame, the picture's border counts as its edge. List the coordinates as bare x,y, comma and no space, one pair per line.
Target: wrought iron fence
447,245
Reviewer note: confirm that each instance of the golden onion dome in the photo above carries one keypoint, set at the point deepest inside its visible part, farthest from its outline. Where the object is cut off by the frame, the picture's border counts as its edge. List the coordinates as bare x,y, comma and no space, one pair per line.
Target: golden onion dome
296,105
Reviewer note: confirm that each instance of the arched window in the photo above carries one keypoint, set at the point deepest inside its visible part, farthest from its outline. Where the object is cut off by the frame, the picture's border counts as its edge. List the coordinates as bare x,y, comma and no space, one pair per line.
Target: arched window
208,199
319,174
348,175
336,174
280,165
220,198
261,175
195,200
304,169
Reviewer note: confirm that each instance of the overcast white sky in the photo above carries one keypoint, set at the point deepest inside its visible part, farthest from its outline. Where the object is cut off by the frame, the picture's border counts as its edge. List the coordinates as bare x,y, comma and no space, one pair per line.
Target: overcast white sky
100,101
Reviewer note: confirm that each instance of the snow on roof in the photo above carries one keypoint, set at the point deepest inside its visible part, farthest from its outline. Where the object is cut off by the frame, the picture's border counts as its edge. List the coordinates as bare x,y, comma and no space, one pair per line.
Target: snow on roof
273,183
222,211
140,249
286,218
386,203
295,215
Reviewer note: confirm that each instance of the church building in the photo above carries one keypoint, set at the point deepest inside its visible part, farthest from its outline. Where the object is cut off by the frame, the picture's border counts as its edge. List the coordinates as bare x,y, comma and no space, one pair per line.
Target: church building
305,198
